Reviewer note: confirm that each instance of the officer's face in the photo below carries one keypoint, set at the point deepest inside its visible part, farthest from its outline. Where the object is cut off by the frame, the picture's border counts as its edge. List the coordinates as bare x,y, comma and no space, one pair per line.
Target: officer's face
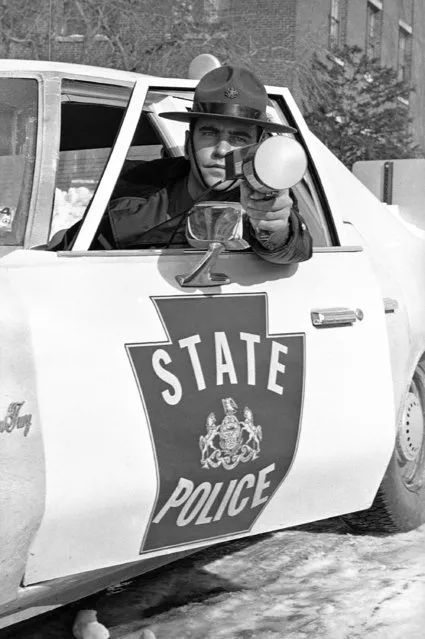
211,140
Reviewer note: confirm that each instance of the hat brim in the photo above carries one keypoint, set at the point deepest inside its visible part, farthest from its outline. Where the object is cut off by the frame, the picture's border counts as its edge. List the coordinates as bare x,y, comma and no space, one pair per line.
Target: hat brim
181,116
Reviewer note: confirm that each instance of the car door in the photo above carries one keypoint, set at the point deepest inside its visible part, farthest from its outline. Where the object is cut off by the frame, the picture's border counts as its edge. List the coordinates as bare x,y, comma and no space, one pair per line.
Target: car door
21,446
173,416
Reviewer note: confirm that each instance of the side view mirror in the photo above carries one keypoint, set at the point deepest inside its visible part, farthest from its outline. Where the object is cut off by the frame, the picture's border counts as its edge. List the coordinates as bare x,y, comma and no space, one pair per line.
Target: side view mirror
216,222
213,226
276,164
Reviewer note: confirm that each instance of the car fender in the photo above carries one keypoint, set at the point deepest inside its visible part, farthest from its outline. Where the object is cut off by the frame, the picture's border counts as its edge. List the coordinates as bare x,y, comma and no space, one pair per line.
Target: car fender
21,449
397,253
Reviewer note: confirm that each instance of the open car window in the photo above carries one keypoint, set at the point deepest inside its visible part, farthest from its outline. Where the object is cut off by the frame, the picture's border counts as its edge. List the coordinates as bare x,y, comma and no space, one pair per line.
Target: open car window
173,134
91,119
91,116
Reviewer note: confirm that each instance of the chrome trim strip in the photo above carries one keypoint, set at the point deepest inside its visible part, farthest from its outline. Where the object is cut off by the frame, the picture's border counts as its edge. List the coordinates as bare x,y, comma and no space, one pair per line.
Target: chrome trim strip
338,316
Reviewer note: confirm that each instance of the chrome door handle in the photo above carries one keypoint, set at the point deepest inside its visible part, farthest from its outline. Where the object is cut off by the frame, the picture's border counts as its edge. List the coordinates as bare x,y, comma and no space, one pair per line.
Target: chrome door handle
390,305
338,316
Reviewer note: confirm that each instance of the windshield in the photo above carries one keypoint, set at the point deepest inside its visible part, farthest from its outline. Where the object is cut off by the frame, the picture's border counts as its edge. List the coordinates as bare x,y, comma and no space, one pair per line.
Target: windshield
18,137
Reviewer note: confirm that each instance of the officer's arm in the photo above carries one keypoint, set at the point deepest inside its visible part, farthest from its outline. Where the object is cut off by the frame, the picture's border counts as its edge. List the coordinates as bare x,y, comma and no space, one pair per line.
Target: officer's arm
298,246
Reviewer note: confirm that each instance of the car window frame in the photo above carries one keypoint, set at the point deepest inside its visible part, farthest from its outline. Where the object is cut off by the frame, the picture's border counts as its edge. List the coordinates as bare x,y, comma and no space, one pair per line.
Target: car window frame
88,229
27,225
113,167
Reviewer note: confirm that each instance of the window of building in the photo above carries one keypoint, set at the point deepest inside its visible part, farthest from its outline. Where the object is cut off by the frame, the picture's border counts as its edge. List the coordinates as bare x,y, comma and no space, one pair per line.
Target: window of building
404,55
72,21
73,24
213,10
373,30
337,18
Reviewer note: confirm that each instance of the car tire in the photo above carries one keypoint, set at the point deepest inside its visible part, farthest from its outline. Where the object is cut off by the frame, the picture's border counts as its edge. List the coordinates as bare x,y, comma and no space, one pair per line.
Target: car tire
399,505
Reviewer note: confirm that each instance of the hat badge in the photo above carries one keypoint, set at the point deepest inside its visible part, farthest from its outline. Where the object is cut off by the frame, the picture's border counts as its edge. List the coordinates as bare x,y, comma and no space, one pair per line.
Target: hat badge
231,92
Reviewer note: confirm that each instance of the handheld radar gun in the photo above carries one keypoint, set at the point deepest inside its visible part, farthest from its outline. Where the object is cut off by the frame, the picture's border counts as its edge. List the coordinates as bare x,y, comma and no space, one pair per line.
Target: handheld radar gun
276,164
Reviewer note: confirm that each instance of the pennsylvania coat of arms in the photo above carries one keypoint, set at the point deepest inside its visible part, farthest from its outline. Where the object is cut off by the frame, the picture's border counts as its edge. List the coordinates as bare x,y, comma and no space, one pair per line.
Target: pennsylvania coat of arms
231,441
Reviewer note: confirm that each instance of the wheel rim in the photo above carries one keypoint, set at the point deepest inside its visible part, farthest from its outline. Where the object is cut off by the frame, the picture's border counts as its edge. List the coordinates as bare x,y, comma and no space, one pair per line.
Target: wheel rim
411,431
410,436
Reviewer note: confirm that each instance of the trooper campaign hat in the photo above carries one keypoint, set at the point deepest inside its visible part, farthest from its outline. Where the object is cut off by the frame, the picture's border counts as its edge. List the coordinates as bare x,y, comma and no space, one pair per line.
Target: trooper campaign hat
230,93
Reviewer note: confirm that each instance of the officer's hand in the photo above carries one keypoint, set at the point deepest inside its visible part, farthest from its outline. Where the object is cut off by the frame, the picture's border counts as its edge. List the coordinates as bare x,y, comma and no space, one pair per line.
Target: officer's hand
268,213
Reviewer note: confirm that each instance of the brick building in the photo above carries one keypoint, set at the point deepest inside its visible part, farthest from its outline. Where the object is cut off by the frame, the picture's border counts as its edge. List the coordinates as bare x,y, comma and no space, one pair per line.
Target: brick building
278,36
289,31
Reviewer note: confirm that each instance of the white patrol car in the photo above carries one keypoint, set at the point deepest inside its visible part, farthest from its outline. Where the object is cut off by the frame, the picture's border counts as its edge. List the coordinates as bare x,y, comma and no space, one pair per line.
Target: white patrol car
149,407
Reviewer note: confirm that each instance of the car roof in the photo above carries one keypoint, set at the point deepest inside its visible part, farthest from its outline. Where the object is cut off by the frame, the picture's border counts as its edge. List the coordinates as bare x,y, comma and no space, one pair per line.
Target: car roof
91,72
94,73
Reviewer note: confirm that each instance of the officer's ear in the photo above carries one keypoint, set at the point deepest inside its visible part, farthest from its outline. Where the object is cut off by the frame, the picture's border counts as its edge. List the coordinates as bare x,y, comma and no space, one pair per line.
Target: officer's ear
186,145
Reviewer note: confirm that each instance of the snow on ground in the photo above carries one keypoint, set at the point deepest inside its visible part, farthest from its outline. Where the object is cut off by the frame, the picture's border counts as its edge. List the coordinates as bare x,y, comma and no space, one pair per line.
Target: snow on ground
315,581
